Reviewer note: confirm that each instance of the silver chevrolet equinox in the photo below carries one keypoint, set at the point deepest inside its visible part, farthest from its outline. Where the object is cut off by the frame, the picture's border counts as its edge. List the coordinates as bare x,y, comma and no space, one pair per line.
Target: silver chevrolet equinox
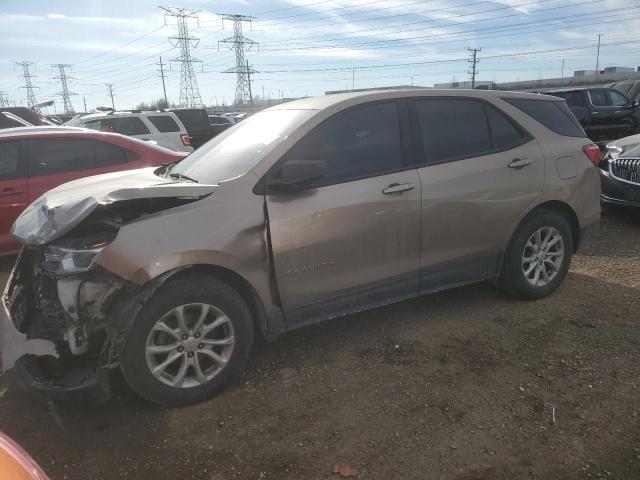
303,212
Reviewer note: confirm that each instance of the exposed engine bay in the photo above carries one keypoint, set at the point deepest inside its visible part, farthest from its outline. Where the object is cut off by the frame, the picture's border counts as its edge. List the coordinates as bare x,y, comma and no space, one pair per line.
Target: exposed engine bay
66,317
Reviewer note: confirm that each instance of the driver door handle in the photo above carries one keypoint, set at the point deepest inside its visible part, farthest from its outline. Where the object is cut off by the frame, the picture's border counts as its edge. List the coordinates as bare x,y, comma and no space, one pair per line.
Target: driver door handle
398,188
519,163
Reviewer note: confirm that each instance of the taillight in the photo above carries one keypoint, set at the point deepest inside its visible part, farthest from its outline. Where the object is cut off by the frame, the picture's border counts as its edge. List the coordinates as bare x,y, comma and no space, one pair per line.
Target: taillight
593,152
186,139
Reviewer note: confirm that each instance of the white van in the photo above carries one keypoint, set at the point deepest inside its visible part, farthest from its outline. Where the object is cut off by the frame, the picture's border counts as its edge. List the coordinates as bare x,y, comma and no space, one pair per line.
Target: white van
162,128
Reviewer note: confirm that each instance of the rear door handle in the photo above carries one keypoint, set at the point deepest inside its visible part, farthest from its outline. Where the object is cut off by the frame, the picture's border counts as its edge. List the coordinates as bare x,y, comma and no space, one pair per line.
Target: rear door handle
519,163
7,192
398,188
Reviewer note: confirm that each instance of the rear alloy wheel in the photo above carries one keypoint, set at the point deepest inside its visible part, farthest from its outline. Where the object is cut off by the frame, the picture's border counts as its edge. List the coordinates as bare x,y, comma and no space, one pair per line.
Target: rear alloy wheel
189,340
538,256
542,256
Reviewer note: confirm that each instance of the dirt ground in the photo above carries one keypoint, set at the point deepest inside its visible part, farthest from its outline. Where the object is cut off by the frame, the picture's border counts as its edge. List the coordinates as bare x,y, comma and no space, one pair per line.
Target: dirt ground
461,385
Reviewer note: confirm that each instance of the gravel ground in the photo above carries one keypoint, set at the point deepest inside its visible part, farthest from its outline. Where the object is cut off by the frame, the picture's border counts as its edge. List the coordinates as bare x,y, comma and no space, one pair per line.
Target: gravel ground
464,384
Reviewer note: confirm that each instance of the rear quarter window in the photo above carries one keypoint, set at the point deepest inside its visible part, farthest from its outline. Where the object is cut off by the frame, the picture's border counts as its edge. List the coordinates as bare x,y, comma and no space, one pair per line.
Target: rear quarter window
556,116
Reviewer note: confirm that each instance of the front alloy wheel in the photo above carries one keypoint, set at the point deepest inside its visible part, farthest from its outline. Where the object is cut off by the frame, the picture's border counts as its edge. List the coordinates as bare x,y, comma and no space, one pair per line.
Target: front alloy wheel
189,340
190,345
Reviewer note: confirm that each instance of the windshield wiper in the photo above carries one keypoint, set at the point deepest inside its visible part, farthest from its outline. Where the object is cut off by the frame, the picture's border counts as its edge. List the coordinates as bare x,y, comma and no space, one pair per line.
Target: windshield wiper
179,176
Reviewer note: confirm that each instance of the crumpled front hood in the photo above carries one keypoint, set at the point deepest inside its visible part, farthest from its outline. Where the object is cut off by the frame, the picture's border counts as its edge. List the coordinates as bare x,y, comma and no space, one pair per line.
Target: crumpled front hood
60,210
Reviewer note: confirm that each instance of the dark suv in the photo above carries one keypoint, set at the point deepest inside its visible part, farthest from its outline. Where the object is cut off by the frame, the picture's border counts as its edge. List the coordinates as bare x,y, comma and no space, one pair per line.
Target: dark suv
605,113
196,121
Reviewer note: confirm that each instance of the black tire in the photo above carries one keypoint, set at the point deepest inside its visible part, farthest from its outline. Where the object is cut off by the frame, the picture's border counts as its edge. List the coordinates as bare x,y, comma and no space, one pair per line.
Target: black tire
513,280
186,289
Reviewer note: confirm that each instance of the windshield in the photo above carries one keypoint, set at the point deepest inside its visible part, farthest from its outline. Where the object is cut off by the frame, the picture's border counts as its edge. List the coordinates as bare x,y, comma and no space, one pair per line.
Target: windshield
238,149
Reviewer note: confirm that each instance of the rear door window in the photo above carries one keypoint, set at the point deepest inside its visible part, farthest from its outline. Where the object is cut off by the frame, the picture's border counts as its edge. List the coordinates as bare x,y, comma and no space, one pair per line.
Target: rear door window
452,129
53,156
10,167
107,155
359,143
598,98
164,123
556,116
129,126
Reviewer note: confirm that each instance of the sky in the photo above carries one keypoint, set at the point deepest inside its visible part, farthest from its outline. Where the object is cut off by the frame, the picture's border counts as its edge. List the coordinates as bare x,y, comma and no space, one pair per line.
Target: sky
304,47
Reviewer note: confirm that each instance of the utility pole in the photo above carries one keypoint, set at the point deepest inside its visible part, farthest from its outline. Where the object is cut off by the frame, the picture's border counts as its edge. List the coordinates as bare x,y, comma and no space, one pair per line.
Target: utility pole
353,79
84,100
110,87
164,88
598,54
562,68
411,77
249,82
240,45
4,100
28,84
473,60
189,91
65,93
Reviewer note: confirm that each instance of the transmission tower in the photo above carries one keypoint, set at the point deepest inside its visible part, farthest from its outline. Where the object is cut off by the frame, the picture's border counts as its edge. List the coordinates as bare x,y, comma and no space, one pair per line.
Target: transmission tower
473,60
65,93
240,45
189,92
4,99
28,84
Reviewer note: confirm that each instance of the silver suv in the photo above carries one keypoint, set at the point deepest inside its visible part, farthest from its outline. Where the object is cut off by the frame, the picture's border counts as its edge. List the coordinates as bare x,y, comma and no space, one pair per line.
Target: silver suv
162,128
303,212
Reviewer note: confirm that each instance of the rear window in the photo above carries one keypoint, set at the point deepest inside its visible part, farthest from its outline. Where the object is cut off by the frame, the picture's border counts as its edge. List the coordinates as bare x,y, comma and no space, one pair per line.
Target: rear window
196,121
164,123
556,116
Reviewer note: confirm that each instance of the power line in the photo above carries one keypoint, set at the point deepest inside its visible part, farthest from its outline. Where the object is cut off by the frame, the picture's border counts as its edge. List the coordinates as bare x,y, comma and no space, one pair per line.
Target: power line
62,76
240,45
473,52
28,84
189,91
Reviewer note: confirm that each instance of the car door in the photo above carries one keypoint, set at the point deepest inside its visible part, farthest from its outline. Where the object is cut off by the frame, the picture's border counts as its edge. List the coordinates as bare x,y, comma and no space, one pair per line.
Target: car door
13,190
480,172
609,120
55,161
350,239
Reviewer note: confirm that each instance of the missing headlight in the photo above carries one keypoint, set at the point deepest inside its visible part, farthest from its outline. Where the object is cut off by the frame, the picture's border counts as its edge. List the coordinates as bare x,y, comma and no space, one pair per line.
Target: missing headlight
75,255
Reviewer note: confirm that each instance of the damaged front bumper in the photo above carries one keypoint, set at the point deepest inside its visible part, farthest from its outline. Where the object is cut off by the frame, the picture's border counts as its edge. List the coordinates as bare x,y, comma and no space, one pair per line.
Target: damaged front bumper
63,333
13,343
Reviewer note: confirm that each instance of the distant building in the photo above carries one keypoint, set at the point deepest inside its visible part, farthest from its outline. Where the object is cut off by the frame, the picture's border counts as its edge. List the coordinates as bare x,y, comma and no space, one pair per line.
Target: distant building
465,84
579,78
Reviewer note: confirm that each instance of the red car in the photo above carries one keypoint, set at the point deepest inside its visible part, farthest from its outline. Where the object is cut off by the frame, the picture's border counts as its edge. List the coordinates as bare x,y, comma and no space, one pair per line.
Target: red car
36,159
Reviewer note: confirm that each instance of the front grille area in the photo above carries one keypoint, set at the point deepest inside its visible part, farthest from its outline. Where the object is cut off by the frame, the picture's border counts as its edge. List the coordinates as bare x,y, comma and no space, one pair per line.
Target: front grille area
626,169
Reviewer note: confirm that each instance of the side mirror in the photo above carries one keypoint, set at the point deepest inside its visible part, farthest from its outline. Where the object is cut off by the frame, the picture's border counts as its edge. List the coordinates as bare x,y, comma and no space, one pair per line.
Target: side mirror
293,175
635,104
